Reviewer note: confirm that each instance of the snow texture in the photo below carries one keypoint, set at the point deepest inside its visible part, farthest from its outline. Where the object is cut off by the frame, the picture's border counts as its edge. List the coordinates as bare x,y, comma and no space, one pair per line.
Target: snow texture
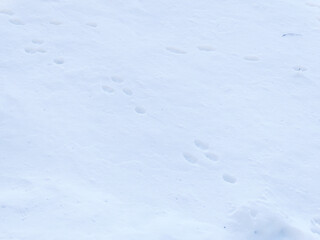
159,120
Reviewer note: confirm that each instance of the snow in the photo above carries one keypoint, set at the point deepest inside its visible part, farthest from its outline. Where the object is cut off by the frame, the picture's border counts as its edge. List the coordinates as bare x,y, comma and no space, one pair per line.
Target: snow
159,120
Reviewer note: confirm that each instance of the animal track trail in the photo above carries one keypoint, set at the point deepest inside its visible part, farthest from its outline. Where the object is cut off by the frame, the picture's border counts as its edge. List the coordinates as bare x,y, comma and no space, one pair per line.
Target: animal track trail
140,110
203,146
175,50
127,91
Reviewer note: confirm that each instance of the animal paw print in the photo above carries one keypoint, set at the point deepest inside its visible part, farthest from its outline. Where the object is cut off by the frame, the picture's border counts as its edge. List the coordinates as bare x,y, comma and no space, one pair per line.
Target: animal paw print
201,145
107,89
190,158
229,178
140,110
127,91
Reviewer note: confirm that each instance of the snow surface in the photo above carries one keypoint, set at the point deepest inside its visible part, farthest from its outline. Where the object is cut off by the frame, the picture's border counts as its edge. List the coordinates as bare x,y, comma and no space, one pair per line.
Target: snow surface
160,120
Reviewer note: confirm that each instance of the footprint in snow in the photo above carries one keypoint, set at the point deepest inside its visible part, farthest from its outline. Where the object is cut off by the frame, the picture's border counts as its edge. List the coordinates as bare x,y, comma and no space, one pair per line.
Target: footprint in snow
58,61
41,50
92,24
30,50
127,91
107,89
251,58
117,79
37,41
201,145
33,50
206,48
140,110
190,158
211,156
229,178
175,50
55,22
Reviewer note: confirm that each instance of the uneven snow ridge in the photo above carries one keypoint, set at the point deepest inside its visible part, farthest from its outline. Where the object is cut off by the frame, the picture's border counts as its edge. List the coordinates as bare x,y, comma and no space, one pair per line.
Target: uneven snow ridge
160,120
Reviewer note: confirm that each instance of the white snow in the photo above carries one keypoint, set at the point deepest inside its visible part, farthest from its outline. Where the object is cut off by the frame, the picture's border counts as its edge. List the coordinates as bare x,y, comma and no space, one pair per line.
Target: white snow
160,120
